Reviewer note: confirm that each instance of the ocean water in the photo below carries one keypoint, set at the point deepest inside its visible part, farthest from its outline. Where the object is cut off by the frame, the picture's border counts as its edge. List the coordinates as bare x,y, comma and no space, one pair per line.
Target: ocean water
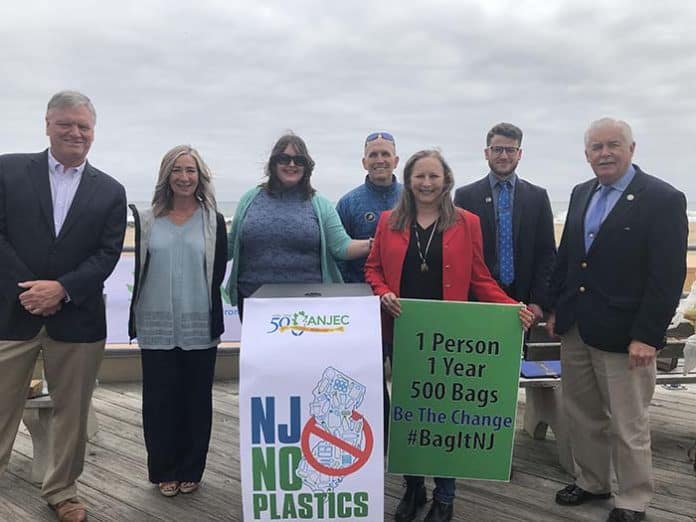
559,209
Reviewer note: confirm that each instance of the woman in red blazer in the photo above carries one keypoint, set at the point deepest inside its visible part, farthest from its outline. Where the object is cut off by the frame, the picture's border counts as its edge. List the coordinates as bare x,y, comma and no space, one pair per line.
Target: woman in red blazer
427,249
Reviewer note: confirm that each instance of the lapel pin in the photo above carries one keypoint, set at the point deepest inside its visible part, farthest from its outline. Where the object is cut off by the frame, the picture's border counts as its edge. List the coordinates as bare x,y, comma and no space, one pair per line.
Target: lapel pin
488,199
630,197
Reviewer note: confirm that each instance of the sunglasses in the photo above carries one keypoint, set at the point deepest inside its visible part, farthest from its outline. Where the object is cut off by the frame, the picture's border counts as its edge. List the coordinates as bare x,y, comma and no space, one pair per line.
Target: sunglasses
285,159
377,135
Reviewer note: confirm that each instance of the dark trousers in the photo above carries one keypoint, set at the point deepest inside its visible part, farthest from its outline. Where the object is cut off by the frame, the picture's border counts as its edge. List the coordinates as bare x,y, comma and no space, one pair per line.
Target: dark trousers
386,355
444,487
177,412
240,303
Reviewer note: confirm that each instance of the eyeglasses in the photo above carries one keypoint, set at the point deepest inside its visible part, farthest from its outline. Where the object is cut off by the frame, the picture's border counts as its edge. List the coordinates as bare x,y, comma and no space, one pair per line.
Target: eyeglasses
285,159
376,135
498,150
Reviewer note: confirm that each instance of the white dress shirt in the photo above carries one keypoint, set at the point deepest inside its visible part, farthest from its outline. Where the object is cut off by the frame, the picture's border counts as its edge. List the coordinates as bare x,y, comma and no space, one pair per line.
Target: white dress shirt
64,183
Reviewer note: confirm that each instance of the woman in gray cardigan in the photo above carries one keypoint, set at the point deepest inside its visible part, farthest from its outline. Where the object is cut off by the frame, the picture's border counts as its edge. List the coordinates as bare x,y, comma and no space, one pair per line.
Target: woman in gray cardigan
176,314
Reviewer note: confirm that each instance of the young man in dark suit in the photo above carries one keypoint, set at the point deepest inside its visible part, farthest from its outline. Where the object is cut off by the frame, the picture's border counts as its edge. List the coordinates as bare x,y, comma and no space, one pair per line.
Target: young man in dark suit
516,221
62,224
617,281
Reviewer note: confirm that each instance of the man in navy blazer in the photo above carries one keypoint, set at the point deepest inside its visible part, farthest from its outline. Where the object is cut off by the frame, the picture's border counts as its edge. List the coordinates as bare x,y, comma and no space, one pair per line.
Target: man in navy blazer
62,224
533,243
617,281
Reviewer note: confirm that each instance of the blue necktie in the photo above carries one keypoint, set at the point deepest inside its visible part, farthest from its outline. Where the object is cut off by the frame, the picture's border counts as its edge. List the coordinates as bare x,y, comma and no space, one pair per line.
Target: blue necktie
595,216
505,258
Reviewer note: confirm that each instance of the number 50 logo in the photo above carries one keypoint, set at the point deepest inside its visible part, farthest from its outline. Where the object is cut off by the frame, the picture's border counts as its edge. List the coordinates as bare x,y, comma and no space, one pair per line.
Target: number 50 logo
282,323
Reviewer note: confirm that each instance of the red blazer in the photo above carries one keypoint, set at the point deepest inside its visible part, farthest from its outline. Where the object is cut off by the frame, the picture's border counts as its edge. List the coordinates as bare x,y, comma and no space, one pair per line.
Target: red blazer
463,266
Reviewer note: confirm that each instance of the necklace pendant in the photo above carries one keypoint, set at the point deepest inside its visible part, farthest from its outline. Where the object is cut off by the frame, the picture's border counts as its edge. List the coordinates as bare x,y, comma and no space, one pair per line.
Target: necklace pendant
424,266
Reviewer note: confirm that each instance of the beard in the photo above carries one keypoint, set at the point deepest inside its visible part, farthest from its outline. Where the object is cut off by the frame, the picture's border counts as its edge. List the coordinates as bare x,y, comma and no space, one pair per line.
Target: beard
503,171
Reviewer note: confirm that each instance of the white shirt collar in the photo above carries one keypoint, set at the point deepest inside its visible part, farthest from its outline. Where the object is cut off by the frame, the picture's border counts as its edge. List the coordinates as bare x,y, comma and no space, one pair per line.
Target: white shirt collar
53,165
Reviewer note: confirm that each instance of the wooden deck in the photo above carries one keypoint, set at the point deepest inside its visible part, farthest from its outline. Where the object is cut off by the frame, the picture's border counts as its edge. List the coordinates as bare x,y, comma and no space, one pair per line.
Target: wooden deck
115,488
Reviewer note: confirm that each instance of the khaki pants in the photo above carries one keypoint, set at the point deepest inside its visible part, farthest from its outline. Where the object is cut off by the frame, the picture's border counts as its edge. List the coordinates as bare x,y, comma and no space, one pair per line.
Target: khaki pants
607,408
71,371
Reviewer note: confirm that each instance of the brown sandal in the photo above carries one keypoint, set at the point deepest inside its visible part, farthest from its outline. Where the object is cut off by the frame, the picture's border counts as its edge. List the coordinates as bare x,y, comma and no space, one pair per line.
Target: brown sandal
169,489
70,510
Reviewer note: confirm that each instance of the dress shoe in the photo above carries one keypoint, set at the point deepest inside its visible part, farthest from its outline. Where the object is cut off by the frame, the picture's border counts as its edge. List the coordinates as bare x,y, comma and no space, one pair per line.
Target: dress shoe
625,515
439,512
70,510
412,500
574,495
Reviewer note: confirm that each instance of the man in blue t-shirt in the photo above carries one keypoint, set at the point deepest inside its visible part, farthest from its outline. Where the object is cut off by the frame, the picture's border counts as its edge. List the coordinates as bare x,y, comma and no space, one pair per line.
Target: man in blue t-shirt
360,208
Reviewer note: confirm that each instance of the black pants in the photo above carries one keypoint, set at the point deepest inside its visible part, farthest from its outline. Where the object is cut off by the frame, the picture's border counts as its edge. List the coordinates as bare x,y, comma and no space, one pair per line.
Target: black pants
177,412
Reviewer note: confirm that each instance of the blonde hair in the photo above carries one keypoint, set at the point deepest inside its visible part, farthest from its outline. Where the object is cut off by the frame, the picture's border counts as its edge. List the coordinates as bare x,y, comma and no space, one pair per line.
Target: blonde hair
162,198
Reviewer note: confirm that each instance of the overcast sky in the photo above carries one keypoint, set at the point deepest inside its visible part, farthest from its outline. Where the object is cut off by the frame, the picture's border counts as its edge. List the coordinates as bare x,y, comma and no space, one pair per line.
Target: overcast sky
229,77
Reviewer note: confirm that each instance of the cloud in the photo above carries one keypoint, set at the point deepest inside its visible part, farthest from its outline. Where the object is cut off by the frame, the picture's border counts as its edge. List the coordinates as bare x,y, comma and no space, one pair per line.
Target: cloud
230,77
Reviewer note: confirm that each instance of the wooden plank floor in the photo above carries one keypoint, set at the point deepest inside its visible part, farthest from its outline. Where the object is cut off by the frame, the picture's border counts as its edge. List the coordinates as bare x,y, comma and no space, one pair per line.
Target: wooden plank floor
115,488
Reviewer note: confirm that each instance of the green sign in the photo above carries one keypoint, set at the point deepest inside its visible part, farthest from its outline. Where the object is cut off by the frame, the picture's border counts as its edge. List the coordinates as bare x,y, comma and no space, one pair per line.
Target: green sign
455,375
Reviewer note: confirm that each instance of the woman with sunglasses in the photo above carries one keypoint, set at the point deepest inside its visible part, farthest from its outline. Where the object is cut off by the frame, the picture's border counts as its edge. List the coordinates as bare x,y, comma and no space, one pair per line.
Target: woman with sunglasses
283,231
427,249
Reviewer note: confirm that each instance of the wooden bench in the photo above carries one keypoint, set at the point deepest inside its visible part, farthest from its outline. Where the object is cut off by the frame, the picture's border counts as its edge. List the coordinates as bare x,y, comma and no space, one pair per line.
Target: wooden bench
544,405
37,419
